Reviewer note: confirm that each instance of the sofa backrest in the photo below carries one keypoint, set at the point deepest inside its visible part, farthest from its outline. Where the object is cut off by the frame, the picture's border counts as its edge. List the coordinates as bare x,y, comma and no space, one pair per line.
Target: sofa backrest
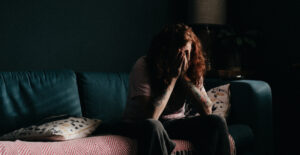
103,95
28,97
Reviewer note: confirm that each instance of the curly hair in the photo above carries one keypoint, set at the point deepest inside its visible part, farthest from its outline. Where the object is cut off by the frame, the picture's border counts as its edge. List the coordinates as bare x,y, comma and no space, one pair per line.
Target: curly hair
164,46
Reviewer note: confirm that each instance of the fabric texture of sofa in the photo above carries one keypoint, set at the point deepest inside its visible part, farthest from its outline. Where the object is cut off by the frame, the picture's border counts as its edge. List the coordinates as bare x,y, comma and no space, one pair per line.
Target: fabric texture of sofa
27,97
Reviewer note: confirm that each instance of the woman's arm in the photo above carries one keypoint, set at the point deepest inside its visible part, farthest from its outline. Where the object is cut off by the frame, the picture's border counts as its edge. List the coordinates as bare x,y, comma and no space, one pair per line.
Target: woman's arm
153,106
198,96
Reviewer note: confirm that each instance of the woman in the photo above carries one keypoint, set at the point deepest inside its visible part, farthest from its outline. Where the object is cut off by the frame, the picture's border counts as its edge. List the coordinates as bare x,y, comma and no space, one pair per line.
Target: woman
161,84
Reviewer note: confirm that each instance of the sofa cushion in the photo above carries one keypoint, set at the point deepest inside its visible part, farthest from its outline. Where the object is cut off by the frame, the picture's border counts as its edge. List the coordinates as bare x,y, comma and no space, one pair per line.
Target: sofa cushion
103,95
63,129
220,97
27,97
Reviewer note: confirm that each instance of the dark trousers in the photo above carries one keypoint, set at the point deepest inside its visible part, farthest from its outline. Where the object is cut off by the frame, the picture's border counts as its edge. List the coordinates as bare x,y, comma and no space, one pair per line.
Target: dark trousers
209,134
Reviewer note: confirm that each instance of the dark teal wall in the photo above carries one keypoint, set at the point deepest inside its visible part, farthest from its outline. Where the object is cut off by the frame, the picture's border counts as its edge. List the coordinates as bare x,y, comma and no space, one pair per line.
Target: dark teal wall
91,35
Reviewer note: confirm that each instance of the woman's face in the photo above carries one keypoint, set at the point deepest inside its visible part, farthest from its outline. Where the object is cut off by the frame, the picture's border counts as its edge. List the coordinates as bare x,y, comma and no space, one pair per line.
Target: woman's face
187,49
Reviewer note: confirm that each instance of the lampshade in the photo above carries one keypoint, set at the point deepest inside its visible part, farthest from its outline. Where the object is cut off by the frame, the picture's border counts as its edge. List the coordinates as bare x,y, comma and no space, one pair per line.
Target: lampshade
207,11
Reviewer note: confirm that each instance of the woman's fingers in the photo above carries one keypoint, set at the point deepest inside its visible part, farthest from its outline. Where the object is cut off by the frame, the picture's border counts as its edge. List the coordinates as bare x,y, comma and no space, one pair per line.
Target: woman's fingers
180,62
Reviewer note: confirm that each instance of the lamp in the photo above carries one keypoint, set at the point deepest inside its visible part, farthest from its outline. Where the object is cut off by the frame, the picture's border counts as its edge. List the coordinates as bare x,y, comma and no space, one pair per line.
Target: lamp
207,12
202,15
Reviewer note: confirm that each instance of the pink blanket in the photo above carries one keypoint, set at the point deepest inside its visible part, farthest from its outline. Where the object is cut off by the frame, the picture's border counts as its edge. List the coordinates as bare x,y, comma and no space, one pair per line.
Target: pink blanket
104,145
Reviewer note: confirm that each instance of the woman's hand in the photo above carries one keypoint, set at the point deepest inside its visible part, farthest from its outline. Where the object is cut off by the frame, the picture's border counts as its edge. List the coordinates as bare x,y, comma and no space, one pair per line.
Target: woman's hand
179,64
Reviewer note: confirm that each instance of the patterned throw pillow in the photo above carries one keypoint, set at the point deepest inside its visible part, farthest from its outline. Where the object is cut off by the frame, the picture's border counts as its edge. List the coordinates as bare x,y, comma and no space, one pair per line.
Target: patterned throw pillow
64,129
220,96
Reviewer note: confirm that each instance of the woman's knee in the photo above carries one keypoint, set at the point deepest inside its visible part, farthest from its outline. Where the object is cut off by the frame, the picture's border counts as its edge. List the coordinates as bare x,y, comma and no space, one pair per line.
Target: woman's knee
153,124
217,121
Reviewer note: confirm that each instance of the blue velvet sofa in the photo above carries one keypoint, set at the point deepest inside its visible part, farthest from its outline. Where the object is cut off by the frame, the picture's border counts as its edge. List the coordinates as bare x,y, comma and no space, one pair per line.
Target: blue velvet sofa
27,97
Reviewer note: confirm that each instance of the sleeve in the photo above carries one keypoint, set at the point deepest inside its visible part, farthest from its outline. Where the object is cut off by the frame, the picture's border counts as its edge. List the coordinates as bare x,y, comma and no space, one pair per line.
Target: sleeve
139,80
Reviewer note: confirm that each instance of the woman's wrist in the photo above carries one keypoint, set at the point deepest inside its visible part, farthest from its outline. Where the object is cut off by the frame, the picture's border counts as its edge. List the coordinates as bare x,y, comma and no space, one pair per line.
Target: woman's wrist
186,83
198,94
184,77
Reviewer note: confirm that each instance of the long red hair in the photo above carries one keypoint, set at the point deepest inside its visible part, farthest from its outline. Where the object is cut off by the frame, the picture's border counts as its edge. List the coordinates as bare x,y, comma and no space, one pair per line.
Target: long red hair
163,47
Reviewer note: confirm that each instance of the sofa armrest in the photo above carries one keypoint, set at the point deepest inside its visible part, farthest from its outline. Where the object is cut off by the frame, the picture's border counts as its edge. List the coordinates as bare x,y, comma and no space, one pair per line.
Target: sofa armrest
251,104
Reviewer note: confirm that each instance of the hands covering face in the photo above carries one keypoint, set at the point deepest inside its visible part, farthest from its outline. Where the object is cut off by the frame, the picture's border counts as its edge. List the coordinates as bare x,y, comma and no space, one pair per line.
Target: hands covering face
182,59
